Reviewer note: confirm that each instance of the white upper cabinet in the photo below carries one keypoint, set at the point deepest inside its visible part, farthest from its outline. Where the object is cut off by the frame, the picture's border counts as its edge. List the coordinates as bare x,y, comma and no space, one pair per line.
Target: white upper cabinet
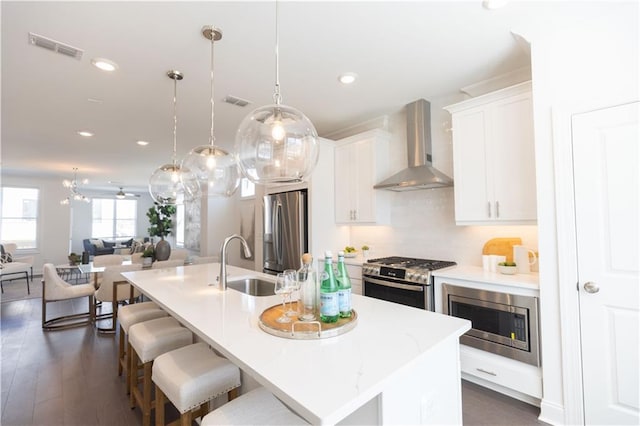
361,161
494,158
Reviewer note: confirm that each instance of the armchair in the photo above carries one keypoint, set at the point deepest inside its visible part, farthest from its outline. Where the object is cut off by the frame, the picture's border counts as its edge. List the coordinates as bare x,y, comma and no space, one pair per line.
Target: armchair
14,268
56,289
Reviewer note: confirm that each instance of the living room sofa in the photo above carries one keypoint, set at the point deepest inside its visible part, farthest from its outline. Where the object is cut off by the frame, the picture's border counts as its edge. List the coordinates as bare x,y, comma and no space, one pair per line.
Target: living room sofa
97,247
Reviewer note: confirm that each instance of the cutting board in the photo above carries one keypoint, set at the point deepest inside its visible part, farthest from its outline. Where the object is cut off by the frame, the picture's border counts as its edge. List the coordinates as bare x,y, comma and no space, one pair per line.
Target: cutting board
502,246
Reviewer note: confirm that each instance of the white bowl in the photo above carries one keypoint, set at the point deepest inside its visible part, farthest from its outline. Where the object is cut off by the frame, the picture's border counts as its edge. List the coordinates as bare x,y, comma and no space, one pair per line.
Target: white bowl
507,270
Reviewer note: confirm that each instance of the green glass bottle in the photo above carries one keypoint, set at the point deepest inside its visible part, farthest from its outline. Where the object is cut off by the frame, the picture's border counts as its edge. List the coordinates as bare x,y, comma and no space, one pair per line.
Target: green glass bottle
344,288
329,308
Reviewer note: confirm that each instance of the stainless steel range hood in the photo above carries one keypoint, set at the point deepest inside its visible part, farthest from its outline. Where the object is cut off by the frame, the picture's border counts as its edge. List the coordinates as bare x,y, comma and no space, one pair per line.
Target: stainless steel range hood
420,174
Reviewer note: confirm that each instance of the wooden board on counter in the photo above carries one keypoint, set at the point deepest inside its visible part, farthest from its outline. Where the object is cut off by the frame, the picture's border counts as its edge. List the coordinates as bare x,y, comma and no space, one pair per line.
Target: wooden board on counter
502,246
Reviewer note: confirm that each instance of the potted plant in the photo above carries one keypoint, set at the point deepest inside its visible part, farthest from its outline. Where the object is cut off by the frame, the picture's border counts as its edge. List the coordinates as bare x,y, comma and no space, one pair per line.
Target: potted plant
365,250
161,221
74,259
147,256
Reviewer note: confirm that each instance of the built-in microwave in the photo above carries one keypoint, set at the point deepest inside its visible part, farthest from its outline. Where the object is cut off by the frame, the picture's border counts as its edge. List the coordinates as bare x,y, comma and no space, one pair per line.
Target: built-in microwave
502,323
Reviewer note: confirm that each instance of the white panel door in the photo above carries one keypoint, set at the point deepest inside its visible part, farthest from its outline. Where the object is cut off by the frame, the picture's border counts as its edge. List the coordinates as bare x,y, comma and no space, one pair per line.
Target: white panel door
607,188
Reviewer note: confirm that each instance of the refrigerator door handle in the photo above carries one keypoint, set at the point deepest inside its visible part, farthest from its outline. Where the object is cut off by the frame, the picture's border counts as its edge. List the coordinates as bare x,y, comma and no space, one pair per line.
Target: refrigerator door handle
276,225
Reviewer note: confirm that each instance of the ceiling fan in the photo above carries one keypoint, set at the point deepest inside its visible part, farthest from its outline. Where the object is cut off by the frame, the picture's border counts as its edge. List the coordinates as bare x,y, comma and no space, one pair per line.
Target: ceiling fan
122,195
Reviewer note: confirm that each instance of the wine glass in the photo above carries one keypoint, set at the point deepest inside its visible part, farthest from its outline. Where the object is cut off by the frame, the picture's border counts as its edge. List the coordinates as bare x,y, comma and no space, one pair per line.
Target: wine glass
283,287
291,277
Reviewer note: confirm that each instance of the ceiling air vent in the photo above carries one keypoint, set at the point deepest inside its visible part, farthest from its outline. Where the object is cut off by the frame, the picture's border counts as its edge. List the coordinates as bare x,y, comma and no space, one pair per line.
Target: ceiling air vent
236,101
56,46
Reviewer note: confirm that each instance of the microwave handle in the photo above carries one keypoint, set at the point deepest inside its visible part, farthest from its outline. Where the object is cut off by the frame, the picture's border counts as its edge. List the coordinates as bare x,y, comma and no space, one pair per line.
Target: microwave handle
395,285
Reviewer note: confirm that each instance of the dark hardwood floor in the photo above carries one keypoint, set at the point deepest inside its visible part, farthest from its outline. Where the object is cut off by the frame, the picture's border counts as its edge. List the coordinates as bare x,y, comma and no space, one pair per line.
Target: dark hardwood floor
69,377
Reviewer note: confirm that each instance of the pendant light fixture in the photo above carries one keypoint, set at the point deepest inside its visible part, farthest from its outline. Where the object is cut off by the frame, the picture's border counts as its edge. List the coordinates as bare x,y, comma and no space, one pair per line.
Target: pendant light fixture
74,189
277,143
215,170
171,183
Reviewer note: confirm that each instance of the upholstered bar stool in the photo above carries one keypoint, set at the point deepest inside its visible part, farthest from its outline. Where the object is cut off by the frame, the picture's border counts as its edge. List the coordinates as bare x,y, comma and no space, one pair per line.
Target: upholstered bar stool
147,341
258,407
127,316
190,377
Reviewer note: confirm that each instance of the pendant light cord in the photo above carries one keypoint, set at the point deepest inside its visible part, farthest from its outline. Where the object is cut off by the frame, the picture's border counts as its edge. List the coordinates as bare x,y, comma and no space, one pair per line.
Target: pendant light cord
212,138
277,97
175,118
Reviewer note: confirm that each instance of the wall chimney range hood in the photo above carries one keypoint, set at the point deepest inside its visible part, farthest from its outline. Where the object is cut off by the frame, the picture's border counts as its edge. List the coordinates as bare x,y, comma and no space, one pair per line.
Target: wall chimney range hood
420,174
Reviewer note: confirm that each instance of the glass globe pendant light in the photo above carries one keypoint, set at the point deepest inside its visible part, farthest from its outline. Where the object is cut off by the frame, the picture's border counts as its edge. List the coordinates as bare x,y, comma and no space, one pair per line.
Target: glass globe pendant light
215,170
171,183
277,143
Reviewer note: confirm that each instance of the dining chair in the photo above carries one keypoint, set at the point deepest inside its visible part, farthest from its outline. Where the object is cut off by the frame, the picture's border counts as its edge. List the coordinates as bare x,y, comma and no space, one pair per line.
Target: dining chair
108,259
179,253
55,289
11,248
136,257
115,289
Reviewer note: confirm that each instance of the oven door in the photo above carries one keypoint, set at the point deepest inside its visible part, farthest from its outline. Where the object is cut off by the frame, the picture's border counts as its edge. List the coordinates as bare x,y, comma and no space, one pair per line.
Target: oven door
397,291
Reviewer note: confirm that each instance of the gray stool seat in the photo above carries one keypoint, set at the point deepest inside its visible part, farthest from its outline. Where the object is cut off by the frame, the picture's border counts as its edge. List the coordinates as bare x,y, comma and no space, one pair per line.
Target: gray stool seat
192,376
258,407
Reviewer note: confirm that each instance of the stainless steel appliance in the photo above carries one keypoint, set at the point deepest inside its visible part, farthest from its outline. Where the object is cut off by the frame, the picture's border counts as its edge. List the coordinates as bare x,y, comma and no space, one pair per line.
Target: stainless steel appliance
403,280
285,237
502,323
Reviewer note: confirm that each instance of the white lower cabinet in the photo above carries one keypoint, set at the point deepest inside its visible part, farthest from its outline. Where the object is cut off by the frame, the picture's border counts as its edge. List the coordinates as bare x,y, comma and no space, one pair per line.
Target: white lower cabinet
355,273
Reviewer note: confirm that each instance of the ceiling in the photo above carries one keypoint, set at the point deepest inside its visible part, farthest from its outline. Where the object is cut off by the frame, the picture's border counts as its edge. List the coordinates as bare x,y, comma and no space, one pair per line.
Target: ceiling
401,51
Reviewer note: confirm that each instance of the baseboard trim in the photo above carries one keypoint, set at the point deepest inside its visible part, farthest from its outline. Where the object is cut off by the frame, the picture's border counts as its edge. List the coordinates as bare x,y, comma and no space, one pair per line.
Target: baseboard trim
551,413
501,389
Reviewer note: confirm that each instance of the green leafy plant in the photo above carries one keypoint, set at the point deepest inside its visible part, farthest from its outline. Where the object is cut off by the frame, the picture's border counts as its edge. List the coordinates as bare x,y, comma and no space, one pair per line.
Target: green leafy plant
365,247
149,252
160,219
74,258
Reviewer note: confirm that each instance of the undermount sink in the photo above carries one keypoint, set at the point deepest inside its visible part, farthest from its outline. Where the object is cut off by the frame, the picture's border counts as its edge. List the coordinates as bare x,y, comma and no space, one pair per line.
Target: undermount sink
252,286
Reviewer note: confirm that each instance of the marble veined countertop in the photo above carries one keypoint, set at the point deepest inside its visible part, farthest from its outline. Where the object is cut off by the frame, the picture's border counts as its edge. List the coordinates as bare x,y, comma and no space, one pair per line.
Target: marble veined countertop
323,380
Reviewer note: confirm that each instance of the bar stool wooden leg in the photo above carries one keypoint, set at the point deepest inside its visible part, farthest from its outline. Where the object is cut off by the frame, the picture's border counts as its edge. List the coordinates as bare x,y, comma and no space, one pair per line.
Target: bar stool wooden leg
160,401
146,400
121,351
232,394
133,376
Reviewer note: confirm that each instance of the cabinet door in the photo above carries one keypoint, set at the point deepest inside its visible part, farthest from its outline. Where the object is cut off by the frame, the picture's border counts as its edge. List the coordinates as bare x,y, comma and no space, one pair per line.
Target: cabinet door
470,166
364,195
511,160
344,184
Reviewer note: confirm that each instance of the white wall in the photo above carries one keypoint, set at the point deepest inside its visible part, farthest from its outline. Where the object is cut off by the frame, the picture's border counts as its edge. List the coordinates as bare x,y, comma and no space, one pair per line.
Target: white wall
589,63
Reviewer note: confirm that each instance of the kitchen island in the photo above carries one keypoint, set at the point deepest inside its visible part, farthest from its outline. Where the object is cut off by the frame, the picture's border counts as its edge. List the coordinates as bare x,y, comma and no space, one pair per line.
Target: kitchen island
399,365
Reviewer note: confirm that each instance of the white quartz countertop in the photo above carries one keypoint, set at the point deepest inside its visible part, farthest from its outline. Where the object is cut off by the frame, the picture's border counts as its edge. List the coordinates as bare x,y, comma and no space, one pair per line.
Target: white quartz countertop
322,380
477,274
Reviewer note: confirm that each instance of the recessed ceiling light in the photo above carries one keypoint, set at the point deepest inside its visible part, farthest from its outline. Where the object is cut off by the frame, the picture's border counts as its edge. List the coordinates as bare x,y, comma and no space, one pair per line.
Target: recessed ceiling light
104,64
347,77
494,4
85,133
142,143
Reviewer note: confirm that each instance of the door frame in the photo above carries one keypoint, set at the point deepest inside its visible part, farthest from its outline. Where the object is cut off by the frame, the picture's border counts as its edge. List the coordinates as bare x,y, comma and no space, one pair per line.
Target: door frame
567,256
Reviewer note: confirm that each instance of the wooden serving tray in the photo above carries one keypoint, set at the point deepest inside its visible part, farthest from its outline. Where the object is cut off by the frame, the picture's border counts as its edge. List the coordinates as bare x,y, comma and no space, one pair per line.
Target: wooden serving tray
303,329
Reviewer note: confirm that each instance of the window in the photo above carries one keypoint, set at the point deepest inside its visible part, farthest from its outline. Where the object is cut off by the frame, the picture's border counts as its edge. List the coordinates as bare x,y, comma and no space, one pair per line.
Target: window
20,217
114,219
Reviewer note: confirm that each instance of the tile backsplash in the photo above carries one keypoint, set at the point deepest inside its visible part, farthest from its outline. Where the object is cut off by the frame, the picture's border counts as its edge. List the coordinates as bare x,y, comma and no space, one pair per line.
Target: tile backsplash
423,225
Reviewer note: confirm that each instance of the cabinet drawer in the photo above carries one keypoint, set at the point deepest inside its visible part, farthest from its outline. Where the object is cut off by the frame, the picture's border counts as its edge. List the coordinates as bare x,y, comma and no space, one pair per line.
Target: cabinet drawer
355,272
506,372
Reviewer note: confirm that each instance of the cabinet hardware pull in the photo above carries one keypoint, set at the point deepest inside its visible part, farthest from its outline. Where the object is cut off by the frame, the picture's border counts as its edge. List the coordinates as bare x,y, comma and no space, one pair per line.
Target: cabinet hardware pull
491,373
497,208
489,208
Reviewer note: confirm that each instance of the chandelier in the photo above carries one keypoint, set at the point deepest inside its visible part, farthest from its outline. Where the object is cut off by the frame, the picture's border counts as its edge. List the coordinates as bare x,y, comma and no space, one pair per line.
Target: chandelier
73,186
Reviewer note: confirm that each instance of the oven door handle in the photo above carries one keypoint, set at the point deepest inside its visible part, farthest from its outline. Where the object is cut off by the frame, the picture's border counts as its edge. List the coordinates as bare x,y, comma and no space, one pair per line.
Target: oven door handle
419,288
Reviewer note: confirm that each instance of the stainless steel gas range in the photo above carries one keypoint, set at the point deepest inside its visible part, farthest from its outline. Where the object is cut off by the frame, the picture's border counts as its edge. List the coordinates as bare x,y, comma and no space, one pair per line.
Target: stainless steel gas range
403,280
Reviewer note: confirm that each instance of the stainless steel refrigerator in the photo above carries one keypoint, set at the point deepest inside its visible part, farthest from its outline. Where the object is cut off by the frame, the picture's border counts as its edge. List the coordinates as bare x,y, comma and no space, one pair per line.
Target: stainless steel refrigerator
285,237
